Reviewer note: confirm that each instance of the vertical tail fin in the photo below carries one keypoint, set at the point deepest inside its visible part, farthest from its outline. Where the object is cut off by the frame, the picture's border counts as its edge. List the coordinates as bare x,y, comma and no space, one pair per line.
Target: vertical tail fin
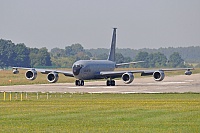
111,56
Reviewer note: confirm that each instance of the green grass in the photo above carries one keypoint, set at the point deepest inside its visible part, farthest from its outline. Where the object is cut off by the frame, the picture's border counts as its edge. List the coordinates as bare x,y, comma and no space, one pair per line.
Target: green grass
8,78
100,113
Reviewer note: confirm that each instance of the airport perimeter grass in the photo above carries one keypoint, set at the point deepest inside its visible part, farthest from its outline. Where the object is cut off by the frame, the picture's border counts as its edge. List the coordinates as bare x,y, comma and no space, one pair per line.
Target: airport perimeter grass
100,113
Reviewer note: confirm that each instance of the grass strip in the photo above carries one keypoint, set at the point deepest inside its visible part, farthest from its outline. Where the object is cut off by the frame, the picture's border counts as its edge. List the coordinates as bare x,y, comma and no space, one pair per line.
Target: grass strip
101,113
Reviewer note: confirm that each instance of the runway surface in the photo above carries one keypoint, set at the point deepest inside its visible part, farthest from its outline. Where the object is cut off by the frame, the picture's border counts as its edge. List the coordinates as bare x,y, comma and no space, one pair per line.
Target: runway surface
174,84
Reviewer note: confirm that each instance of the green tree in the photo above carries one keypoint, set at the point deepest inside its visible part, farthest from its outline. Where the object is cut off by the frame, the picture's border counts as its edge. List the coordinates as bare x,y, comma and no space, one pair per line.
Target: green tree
82,56
57,52
119,58
127,59
22,55
44,56
7,53
142,56
65,62
34,59
157,60
73,49
40,57
102,57
175,60
198,65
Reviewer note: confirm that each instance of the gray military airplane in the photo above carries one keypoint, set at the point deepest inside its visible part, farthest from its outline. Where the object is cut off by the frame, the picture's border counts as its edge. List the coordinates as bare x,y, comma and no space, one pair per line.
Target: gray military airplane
99,69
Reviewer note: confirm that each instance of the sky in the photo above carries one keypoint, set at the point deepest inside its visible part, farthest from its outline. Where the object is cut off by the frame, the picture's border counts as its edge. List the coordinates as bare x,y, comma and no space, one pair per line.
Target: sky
140,23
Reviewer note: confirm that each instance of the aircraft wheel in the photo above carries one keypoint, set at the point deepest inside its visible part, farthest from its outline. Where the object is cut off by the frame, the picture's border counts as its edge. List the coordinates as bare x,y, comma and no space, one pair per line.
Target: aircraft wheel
108,83
112,82
77,83
82,83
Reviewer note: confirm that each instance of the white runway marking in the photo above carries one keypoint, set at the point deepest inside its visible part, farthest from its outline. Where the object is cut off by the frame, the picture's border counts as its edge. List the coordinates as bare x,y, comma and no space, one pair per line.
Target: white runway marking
75,87
90,87
165,83
189,80
109,87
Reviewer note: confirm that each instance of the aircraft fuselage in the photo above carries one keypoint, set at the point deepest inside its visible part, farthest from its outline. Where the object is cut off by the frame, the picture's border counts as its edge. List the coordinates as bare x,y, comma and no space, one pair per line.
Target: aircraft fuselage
90,69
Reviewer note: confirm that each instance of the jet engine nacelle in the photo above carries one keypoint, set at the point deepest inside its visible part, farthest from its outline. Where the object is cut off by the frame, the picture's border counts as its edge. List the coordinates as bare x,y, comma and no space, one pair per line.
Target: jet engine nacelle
52,77
15,71
31,74
158,75
127,78
188,72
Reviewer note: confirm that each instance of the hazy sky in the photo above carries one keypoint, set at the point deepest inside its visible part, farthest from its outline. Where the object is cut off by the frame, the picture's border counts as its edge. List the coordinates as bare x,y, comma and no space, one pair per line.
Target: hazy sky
140,23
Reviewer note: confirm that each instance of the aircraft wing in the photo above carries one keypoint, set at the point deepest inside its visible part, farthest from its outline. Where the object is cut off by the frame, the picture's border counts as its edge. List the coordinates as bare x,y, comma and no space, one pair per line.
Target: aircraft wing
176,69
44,71
121,64
118,74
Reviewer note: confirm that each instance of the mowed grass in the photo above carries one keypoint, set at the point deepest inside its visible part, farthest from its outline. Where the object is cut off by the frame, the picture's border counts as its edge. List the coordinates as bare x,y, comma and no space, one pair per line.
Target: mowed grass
8,78
101,113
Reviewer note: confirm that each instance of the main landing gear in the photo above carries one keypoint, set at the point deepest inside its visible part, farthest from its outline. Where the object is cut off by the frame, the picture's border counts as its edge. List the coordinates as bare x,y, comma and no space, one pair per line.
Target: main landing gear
79,82
110,82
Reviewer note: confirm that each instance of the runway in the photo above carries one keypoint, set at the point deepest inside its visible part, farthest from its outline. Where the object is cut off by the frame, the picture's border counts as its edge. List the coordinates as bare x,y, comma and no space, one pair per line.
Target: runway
172,84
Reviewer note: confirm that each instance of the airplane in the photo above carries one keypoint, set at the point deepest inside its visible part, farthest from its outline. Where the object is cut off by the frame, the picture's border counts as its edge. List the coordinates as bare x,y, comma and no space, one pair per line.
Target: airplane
99,69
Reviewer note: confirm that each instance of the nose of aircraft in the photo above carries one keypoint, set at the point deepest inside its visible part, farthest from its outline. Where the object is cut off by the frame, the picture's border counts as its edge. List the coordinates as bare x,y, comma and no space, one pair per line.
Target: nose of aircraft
76,69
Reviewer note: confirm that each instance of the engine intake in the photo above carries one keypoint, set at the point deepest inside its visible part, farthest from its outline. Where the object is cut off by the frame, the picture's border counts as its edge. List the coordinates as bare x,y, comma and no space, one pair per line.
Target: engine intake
127,78
52,77
31,74
158,75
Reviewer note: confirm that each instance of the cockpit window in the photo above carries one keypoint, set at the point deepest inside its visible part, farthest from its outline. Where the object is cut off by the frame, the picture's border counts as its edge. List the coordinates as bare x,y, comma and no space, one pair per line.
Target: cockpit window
76,69
78,65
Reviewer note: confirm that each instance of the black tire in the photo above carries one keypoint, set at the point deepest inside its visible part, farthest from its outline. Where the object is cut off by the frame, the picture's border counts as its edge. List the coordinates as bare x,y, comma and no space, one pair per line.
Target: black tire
82,83
108,83
77,83
112,82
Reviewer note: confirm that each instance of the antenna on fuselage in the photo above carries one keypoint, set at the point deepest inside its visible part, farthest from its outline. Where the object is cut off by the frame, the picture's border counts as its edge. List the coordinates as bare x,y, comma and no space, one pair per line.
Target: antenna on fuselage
111,56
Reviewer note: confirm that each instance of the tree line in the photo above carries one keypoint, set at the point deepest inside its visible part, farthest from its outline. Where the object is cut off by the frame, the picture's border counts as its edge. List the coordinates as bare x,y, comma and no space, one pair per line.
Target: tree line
65,57
19,55
188,54
22,56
